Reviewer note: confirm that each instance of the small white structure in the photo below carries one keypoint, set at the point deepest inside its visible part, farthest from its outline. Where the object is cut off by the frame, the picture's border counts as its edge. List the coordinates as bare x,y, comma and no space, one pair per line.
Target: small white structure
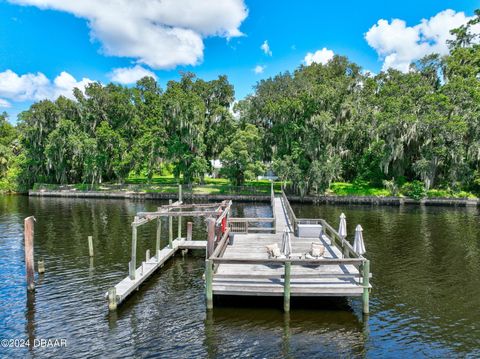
216,167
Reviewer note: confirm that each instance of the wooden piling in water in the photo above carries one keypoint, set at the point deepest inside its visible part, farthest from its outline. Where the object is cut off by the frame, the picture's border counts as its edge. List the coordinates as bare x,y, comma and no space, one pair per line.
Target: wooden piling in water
189,231
147,255
29,260
112,298
208,283
366,284
90,246
159,234
41,266
170,229
133,261
286,288
210,237
179,217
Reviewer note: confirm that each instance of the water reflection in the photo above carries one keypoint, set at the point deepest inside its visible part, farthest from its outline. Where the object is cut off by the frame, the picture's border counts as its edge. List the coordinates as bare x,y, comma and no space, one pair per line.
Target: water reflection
301,333
30,317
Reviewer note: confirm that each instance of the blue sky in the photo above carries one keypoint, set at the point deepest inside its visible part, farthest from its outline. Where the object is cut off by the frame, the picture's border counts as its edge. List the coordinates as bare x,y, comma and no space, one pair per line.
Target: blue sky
52,37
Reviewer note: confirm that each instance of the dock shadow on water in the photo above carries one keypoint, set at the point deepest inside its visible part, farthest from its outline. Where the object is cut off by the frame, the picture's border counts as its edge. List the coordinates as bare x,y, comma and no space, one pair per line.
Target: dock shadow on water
424,303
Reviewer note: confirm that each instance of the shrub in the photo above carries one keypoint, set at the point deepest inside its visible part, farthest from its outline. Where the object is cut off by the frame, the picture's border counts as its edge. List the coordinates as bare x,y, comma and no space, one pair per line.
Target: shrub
414,190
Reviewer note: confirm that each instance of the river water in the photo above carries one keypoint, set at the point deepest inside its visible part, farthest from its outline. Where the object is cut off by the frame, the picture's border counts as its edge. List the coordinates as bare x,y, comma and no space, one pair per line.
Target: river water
425,301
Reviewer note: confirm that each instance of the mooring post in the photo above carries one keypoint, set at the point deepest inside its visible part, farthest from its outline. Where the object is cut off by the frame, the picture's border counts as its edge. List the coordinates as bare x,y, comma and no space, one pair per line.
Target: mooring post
29,260
147,255
133,262
211,236
179,217
41,266
170,228
90,246
366,284
286,288
159,234
189,231
208,283
112,298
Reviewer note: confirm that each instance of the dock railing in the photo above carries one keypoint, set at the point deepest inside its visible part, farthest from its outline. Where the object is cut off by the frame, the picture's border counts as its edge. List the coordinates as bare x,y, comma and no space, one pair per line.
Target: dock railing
362,278
247,225
250,225
290,214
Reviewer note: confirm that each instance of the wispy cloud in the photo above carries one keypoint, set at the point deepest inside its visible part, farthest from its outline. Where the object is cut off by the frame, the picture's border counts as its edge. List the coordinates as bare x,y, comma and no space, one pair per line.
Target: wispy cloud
266,48
259,69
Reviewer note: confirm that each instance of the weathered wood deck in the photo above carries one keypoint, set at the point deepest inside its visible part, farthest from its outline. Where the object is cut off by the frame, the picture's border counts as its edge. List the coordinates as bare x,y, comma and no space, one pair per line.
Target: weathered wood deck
267,279
128,285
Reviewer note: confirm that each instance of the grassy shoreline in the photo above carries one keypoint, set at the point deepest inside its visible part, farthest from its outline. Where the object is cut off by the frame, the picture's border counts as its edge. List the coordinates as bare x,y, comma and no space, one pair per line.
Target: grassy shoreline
213,186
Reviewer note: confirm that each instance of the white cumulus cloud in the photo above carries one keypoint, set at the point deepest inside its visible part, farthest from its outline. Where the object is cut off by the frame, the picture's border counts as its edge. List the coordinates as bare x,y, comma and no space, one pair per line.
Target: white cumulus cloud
259,69
266,48
130,75
398,45
320,56
36,86
159,33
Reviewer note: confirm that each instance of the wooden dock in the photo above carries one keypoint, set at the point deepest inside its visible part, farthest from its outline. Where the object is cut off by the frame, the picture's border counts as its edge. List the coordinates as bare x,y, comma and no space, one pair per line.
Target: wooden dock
148,267
237,261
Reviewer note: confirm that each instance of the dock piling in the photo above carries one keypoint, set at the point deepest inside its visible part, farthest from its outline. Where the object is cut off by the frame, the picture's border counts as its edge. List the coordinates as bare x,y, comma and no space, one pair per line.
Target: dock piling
189,231
170,228
147,255
112,298
211,236
208,283
159,234
180,218
133,262
366,284
29,261
286,288
41,266
90,246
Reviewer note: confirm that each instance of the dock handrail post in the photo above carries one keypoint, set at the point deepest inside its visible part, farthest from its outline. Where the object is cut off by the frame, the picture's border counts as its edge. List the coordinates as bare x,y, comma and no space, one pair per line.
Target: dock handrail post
180,217
170,228
366,284
29,260
189,231
133,262
286,288
159,234
208,283
211,236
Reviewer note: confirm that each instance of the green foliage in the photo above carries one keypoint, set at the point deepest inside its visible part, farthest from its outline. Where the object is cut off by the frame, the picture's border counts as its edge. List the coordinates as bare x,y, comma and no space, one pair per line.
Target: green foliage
320,124
356,189
414,190
240,159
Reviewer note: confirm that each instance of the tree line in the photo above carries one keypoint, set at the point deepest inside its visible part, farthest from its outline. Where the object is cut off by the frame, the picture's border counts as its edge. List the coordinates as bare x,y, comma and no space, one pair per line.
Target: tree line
318,124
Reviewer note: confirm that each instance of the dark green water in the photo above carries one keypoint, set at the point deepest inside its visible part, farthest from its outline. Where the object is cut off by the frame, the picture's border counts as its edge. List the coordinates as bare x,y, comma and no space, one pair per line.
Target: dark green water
425,301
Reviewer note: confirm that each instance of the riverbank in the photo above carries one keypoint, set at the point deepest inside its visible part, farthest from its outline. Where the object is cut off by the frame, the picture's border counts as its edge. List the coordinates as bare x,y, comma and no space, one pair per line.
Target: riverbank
326,199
